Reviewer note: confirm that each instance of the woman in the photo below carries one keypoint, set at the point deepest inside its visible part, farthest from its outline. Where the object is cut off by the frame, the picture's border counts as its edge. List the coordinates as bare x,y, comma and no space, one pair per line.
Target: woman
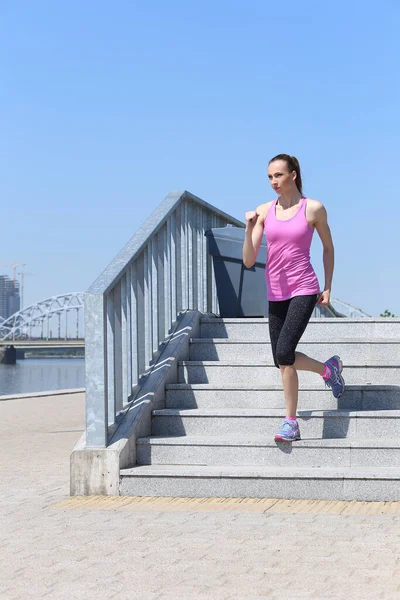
292,286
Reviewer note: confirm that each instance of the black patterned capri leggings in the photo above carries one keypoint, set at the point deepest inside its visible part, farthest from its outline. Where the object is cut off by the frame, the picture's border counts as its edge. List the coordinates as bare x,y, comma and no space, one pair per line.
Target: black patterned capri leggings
287,322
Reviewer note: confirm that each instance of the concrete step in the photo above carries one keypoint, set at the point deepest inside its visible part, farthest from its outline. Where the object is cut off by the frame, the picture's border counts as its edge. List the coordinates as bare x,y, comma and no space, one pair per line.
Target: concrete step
229,372
354,351
339,483
208,396
317,329
265,422
258,451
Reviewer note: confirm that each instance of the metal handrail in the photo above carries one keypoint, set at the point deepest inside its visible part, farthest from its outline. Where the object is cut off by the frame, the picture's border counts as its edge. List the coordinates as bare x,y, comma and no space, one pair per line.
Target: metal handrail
348,310
130,309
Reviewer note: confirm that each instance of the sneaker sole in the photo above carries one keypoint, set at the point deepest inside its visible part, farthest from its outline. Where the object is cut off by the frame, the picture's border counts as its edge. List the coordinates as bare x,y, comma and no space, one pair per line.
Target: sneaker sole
282,439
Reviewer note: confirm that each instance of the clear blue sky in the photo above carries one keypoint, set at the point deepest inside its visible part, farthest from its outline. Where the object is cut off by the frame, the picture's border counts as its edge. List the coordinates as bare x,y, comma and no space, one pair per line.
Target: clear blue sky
106,107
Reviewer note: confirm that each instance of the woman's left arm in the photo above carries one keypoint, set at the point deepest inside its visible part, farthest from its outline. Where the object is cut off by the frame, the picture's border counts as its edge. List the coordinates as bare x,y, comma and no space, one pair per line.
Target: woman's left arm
324,232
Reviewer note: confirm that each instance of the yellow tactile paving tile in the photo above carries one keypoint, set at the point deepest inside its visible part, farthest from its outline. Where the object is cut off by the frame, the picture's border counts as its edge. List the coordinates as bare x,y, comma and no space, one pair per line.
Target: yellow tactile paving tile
259,505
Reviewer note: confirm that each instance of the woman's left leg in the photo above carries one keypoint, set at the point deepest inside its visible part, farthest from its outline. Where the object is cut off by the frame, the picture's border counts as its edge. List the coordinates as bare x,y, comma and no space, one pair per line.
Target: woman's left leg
298,315
290,380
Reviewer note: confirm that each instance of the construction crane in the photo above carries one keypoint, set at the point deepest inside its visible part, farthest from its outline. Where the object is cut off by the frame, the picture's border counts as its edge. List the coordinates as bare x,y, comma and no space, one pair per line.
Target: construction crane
14,265
22,275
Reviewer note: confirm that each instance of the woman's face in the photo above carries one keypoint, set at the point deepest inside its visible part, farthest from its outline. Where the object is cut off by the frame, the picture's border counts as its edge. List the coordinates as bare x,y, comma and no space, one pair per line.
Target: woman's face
280,178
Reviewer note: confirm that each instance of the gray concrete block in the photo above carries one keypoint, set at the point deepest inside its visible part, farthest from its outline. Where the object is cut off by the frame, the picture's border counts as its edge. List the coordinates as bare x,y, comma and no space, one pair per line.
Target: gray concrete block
351,351
227,488
257,373
235,450
261,482
371,490
207,396
375,457
380,398
222,451
382,426
317,329
256,423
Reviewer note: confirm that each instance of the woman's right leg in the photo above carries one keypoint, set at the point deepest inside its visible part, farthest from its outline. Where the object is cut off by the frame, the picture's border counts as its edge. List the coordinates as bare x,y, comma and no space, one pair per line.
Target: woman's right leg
331,371
305,363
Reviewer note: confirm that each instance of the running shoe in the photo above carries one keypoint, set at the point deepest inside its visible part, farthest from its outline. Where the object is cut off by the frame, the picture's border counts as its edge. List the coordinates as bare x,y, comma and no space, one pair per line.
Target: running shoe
335,381
289,432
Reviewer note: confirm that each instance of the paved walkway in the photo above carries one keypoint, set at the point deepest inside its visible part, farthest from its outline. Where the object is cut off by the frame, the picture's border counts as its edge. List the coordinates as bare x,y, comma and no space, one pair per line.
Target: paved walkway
57,548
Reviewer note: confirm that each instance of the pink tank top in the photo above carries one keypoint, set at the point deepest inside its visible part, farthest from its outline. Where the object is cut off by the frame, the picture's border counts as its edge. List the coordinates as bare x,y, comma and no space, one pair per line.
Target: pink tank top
288,270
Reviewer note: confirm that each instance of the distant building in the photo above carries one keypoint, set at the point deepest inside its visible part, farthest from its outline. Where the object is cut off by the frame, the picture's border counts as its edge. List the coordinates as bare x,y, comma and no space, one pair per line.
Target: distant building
9,297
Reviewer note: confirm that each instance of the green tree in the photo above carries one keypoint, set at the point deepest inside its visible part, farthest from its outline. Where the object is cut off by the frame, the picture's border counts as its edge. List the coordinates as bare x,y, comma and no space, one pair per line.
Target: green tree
387,314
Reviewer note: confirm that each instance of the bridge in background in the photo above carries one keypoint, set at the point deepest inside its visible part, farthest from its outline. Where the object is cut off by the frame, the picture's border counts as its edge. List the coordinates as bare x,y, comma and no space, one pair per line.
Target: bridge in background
48,320
46,324
51,343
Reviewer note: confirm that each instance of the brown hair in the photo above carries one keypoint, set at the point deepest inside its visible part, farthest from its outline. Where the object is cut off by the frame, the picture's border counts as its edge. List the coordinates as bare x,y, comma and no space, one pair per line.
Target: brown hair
293,165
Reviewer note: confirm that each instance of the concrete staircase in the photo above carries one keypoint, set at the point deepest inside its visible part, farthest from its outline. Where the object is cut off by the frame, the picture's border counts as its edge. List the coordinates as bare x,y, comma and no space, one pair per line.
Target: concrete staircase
215,436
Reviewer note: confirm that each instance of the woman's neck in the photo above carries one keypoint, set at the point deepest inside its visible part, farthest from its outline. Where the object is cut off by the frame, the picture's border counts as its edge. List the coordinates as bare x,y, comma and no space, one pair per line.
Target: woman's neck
290,199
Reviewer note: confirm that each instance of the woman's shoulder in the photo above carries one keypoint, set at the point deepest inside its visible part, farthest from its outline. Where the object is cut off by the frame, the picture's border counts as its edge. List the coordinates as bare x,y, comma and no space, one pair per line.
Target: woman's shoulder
314,206
263,209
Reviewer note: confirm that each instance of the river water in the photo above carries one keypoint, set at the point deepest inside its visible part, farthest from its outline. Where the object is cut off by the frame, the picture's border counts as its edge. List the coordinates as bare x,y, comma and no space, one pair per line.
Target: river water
42,375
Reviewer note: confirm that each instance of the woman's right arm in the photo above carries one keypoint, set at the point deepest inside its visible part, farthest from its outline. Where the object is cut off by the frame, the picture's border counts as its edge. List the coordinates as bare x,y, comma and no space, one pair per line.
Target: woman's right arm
254,234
